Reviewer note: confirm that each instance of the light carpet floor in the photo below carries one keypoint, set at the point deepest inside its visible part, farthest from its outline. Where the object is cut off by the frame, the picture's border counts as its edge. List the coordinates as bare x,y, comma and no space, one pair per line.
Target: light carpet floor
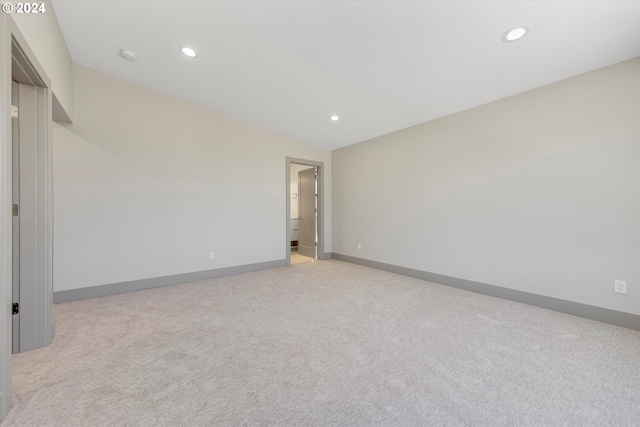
325,344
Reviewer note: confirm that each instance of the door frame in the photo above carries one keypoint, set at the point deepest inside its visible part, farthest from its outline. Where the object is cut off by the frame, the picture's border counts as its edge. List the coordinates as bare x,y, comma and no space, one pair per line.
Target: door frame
320,225
18,60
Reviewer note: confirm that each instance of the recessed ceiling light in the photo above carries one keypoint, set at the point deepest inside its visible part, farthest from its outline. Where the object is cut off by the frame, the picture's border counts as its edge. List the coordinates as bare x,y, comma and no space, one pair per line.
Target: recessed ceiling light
188,51
515,34
334,118
129,55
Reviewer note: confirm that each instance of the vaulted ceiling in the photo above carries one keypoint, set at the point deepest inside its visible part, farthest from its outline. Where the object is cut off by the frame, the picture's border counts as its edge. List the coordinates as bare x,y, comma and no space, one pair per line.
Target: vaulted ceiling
380,66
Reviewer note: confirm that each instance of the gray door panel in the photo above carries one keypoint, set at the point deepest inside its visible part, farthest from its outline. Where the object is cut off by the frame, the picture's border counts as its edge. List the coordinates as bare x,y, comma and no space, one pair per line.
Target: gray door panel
15,132
307,223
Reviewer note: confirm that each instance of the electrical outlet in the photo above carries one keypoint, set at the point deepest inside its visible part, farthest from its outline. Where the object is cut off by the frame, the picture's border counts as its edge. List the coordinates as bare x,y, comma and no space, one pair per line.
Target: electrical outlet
359,246
620,286
212,255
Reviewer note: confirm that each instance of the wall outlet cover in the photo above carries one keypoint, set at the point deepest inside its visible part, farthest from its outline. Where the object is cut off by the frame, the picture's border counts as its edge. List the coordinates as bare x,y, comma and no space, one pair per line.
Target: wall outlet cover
620,286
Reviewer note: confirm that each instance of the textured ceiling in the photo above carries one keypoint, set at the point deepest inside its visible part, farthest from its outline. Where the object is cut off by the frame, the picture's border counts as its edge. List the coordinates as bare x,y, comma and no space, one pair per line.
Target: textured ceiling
380,65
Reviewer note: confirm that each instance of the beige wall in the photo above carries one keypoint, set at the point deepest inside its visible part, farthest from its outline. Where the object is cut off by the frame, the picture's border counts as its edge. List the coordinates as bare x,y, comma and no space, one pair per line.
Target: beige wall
44,37
538,192
146,185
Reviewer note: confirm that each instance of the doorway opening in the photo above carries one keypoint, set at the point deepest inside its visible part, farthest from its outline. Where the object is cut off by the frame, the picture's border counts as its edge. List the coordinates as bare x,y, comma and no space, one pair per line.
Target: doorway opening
304,236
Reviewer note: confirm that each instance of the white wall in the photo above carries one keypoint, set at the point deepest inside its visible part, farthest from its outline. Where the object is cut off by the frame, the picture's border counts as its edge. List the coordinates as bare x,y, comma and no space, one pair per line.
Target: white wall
146,185
44,37
538,192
